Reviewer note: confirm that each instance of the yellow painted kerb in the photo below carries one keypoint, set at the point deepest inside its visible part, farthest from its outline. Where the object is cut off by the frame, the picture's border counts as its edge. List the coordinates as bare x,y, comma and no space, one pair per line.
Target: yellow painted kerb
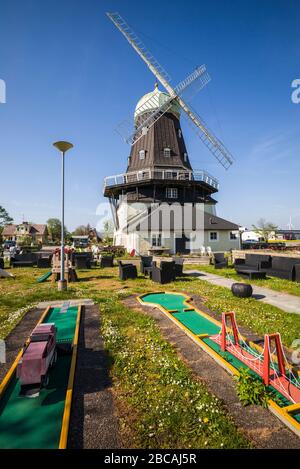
68,402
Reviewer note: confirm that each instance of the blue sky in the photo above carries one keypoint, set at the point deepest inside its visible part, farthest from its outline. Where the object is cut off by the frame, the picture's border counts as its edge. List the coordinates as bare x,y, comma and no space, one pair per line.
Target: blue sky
71,75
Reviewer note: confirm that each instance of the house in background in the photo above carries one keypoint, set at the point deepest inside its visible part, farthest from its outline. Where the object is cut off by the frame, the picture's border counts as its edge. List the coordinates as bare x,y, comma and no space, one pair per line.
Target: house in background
220,234
37,232
291,235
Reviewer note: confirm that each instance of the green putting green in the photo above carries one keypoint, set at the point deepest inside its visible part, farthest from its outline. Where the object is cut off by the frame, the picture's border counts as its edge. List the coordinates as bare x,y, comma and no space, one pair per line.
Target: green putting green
177,303
36,422
196,323
65,323
168,301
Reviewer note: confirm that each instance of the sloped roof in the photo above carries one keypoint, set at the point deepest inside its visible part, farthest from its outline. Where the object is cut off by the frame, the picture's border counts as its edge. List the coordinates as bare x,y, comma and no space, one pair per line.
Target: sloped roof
40,228
212,222
9,230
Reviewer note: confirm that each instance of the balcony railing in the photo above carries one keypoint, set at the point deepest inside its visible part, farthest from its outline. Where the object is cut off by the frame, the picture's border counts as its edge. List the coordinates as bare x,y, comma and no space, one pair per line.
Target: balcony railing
163,174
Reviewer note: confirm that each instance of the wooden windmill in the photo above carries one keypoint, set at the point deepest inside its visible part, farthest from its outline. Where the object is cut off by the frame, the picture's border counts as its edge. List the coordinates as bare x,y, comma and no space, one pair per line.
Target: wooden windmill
198,78
158,168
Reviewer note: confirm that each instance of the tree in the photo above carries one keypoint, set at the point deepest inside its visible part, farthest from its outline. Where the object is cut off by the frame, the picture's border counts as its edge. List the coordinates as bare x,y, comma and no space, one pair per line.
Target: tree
264,229
108,227
5,219
81,230
54,229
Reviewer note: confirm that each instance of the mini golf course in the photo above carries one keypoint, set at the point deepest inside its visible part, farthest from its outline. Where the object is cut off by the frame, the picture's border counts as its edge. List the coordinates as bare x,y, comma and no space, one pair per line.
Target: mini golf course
42,422
234,352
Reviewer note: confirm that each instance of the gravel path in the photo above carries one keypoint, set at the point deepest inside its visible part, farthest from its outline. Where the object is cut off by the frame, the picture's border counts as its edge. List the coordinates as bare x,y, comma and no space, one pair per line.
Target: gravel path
284,301
93,422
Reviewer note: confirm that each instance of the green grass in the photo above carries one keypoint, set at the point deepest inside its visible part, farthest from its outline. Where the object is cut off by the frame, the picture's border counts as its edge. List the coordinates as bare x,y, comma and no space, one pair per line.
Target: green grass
277,284
160,404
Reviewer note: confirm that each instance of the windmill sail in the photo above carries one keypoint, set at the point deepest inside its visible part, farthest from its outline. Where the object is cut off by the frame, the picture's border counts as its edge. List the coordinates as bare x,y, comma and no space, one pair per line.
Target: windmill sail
216,147
141,49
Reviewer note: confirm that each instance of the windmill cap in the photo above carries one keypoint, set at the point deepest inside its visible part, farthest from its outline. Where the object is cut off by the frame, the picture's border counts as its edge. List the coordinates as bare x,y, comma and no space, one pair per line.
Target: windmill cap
153,100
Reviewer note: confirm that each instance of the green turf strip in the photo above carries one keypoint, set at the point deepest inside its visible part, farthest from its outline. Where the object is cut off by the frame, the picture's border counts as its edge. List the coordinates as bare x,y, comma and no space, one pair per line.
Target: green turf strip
65,323
36,422
168,301
196,323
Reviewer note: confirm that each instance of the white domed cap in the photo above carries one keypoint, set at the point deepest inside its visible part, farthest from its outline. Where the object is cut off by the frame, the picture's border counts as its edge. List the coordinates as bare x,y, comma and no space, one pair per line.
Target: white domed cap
153,100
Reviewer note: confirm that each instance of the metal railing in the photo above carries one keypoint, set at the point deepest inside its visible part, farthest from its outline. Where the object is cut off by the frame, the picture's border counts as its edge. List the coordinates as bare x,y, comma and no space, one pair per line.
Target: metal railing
161,174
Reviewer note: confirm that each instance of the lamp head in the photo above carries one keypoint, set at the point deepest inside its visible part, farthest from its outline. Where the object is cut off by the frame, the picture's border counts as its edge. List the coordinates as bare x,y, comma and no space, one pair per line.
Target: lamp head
63,146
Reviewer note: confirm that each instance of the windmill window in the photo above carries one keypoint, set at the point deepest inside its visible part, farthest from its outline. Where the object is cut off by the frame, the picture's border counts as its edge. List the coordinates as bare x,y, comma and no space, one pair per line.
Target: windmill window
171,174
171,192
156,239
185,156
142,154
179,133
167,152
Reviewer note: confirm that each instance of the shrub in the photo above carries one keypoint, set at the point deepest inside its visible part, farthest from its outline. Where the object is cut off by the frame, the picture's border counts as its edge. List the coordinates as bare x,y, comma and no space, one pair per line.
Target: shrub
251,390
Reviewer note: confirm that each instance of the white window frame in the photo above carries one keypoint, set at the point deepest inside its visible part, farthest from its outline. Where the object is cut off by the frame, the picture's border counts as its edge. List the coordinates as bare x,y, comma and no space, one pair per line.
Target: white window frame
185,157
167,152
213,240
142,154
156,240
171,193
235,234
179,133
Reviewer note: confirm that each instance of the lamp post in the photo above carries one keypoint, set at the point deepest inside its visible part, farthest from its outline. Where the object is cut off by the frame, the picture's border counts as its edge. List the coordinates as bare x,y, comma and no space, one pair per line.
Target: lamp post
62,147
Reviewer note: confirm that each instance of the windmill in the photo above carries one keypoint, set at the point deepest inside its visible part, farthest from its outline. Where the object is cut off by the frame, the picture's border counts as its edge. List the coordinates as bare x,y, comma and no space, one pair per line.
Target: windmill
159,173
198,79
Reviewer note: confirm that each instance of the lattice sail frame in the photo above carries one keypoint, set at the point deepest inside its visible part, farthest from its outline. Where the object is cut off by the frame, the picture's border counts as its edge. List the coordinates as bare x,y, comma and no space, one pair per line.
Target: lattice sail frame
215,146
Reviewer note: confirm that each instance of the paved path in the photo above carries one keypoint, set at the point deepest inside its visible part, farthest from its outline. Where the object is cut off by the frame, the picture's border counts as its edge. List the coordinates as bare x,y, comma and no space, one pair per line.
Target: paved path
284,301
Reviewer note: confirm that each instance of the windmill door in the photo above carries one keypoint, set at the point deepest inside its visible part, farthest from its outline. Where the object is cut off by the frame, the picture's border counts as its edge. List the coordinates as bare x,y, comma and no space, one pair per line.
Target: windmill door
180,245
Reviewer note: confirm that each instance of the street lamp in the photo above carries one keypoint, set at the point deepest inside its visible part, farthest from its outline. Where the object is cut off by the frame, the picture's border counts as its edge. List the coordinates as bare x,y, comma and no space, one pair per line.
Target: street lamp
62,147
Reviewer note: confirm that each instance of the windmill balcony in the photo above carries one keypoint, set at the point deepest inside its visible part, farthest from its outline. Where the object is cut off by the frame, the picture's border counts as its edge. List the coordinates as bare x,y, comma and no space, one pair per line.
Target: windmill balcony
160,174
